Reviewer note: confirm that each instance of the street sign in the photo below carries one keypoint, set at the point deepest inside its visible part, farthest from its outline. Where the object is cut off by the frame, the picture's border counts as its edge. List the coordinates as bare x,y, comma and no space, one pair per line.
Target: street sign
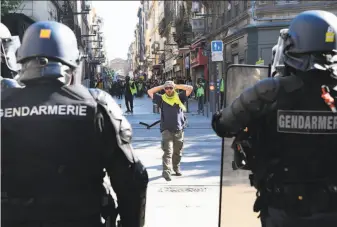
217,46
217,56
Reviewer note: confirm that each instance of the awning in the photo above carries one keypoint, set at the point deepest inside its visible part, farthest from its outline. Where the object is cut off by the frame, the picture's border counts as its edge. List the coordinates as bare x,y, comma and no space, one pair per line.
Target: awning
157,66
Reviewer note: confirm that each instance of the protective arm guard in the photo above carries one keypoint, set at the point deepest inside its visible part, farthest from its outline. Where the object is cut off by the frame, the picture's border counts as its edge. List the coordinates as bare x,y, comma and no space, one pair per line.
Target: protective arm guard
253,103
128,176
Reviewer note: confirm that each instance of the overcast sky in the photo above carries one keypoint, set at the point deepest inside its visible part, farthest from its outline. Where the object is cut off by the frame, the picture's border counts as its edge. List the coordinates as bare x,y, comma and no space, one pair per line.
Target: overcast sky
120,19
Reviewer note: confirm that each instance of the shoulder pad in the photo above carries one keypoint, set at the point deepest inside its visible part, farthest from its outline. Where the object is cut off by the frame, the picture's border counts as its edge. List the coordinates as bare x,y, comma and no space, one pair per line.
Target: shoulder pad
268,89
290,83
122,126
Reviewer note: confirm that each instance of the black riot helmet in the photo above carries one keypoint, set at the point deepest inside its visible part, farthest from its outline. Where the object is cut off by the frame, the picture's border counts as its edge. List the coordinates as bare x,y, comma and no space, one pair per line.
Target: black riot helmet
49,51
311,37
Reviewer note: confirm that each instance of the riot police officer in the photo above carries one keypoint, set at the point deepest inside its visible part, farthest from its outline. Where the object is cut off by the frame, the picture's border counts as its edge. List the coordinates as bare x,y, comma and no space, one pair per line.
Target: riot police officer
294,128
8,47
58,136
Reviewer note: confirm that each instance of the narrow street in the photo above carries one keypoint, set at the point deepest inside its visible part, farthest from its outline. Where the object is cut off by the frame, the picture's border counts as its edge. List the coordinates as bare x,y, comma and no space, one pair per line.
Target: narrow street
192,199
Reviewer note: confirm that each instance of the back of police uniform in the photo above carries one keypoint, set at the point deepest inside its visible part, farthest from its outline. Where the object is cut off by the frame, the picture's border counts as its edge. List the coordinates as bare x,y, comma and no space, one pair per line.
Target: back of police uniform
294,167
55,146
301,133
51,170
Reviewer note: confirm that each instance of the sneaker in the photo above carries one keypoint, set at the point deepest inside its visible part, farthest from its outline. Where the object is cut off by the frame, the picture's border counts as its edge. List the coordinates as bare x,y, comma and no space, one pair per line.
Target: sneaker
178,173
167,176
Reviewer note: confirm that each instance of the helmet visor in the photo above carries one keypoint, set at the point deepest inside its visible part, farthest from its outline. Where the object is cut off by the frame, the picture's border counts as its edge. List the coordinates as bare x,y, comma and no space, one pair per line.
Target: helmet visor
9,48
278,61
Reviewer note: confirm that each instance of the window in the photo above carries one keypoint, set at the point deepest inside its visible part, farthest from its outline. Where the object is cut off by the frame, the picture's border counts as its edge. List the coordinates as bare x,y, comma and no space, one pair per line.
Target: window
193,55
236,59
262,2
236,10
245,5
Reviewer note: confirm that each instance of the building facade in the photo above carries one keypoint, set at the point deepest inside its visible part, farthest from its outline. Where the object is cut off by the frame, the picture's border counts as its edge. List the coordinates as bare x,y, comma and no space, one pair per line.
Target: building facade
119,65
248,29
77,15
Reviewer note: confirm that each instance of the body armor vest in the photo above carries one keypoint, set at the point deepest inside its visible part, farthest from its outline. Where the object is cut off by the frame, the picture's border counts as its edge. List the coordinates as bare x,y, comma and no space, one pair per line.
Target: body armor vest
300,137
51,163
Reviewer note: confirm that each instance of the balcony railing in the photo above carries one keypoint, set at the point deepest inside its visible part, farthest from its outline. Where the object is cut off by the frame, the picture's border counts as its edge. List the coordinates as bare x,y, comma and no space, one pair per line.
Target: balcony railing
278,2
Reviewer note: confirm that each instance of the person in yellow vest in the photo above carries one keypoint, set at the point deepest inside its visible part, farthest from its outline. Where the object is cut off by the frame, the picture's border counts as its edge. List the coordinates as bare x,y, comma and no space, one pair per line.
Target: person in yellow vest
200,96
172,123
140,88
222,92
130,91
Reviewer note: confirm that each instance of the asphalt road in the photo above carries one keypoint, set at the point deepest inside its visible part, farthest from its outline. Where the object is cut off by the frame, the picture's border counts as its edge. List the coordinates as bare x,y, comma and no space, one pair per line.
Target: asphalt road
192,199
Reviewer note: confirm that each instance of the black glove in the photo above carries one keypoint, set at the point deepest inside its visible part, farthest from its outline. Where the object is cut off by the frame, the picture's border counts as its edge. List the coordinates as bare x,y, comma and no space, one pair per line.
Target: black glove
217,127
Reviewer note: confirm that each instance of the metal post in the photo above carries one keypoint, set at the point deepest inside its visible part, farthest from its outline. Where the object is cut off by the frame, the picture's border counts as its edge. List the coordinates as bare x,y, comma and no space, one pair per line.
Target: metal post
209,74
184,76
212,87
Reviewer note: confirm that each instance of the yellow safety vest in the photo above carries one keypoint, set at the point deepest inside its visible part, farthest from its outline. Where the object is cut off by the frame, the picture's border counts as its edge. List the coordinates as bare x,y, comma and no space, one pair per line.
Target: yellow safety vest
222,86
173,100
133,90
200,91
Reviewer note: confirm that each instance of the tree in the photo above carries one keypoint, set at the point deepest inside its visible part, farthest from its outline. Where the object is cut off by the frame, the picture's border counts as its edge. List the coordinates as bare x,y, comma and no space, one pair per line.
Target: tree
8,6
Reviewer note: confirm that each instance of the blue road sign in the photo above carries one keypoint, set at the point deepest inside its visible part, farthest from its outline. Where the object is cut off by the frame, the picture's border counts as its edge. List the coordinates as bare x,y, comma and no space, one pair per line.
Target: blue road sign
217,46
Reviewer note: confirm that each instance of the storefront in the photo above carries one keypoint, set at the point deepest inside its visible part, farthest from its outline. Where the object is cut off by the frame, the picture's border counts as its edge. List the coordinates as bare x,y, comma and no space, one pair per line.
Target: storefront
157,71
198,62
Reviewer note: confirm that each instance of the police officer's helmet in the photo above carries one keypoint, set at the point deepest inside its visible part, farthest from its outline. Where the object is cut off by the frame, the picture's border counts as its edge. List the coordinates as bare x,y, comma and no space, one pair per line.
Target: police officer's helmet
311,35
49,51
8,48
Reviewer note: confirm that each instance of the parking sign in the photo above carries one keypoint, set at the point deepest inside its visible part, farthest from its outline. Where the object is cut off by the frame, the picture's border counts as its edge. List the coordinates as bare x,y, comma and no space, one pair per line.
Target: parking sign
217,46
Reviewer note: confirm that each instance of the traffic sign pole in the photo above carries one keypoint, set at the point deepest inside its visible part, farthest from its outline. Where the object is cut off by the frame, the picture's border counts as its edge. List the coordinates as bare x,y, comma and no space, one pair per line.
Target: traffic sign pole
216,56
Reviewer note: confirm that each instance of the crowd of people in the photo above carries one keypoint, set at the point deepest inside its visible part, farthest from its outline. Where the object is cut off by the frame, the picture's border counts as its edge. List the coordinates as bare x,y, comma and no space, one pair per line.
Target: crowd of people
142,86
